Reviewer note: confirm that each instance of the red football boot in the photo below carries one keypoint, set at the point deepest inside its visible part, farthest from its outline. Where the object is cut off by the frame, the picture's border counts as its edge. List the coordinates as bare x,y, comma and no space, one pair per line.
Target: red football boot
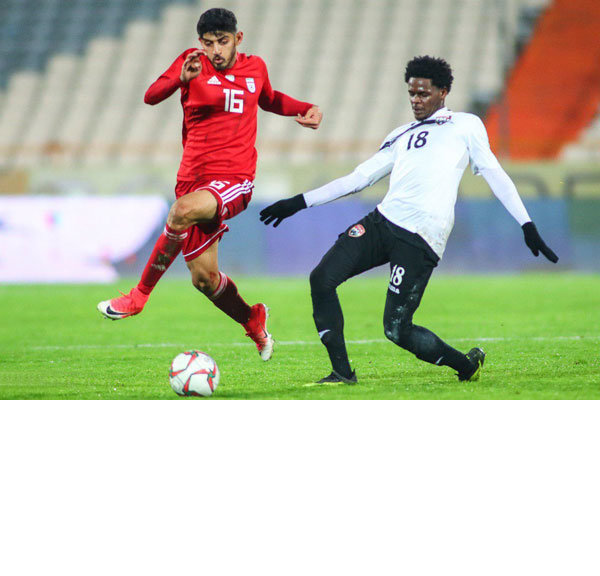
124,306
256,328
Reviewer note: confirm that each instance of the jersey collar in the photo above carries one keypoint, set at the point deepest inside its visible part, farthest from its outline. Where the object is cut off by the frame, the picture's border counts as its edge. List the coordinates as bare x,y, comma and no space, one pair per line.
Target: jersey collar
445,111
440,116
441,112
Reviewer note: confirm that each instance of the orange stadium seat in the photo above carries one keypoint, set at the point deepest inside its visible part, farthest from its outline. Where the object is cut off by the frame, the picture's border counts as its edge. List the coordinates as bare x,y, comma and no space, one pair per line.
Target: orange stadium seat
553,92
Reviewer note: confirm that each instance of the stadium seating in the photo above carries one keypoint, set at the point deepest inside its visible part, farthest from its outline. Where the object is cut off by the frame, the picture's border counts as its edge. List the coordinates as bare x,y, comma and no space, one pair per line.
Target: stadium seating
74,72
553,93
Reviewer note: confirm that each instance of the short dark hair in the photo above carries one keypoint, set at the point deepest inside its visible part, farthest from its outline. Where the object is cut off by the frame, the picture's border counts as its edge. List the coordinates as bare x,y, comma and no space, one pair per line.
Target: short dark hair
217,20
436,69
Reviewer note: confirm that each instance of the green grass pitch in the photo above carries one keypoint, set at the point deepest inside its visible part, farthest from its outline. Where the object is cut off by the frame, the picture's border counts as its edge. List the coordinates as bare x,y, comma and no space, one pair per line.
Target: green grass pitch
541,334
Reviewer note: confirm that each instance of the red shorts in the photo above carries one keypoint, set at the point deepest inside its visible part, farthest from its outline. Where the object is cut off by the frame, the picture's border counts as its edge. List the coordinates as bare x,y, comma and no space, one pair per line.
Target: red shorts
233,196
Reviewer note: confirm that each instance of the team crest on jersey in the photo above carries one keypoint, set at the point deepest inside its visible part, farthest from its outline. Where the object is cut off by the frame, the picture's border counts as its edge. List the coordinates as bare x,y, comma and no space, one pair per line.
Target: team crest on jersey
356,231
230,77
443,119
251,85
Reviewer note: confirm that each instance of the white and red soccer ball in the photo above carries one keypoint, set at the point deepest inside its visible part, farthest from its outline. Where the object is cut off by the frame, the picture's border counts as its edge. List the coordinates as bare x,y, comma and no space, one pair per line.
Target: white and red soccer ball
194,373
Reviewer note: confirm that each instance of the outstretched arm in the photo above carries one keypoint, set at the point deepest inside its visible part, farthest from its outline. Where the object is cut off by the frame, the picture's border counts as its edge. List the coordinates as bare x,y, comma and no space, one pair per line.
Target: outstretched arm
504,189
485,163
307,115
283,209
364,175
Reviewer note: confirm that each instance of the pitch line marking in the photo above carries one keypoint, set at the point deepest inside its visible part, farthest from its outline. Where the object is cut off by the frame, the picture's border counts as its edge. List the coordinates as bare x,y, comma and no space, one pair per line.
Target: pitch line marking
304,342
313,384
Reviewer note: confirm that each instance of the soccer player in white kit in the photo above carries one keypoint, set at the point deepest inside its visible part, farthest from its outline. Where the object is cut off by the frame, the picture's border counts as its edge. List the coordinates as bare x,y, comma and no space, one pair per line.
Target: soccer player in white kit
409,228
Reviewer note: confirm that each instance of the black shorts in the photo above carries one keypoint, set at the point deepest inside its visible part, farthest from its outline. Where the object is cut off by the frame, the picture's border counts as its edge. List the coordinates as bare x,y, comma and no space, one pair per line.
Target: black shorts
374,241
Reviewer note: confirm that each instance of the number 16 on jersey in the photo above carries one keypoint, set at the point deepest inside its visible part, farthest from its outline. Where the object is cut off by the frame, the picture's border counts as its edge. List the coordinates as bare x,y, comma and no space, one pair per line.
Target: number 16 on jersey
232,102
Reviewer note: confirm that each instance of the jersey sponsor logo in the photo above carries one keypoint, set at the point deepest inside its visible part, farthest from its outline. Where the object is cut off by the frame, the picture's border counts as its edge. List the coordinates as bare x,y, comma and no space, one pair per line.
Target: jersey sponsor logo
356,231
443,119
230,77
214,81
251,85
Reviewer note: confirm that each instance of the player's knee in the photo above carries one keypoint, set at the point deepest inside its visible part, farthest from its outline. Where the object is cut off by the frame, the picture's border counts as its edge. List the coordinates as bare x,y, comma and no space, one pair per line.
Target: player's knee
201,206
320,280
317,281
178,218
397,329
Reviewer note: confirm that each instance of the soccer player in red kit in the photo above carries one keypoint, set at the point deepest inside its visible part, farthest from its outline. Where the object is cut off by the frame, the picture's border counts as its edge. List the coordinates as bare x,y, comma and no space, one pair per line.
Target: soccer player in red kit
221,90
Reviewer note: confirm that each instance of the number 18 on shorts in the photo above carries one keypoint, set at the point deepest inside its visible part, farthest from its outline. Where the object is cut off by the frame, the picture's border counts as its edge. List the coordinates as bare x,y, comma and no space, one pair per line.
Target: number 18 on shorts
396,278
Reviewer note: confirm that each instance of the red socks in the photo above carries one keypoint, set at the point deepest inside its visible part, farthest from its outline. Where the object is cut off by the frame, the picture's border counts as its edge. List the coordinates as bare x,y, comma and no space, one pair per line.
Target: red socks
227,298
166,249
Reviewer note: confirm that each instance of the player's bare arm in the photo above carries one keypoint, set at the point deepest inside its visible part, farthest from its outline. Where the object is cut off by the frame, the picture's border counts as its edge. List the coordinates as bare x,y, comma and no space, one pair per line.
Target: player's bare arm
191,67
312,119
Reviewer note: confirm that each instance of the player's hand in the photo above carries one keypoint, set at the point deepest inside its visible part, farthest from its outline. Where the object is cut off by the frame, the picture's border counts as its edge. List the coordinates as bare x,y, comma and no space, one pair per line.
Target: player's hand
191,66
535,243
283,209
311,119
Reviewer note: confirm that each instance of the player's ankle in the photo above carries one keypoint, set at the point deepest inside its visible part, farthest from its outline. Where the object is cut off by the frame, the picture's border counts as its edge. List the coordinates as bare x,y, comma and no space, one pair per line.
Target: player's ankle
343,369
142,291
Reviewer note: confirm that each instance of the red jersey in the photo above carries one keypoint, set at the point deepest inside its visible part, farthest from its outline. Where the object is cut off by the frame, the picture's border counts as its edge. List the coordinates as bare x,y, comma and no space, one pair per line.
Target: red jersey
219,114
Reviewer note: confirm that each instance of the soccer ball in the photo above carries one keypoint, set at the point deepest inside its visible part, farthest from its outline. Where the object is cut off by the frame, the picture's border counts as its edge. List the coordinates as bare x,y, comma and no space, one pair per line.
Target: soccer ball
194,374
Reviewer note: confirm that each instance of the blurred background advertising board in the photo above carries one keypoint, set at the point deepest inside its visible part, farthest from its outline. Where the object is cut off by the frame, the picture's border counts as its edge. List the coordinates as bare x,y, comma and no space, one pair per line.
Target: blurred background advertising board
73,239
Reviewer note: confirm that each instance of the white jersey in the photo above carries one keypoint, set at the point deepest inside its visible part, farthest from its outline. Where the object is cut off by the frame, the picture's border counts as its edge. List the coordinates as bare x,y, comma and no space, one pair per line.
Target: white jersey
427,160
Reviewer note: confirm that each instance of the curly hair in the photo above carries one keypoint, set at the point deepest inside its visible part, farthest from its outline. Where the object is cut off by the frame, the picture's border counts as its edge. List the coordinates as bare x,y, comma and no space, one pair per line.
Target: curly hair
436,69
217,20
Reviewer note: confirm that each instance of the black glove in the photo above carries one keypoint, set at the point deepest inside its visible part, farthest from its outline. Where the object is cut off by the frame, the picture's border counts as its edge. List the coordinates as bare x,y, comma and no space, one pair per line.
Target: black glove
535,243
282,209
